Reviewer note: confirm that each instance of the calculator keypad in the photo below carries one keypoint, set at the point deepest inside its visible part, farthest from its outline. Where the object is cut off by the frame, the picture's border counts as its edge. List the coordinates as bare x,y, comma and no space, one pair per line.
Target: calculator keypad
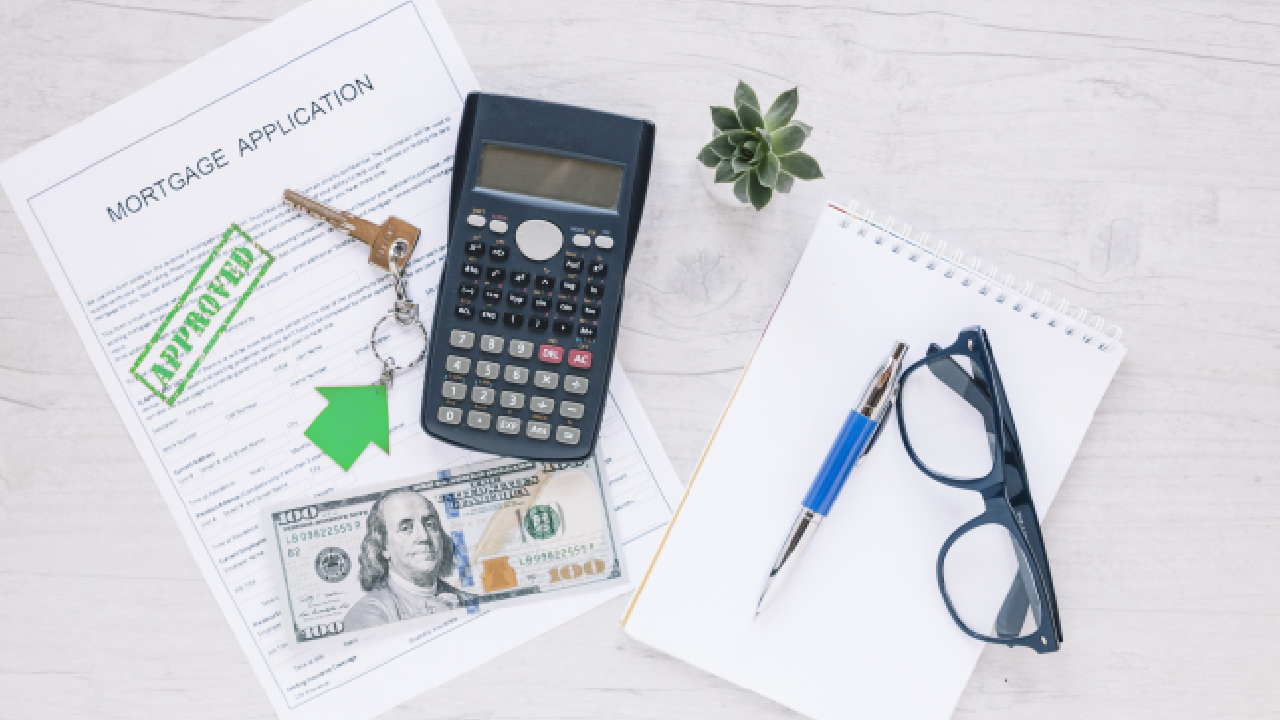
524,368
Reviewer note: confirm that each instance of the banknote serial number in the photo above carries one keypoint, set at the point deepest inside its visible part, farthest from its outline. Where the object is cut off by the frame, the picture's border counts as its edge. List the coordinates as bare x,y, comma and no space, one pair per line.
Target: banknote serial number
571,551
306,535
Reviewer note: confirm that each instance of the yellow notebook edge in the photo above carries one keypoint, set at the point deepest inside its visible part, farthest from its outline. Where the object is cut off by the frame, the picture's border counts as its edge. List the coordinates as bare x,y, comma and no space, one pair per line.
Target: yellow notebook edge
723,414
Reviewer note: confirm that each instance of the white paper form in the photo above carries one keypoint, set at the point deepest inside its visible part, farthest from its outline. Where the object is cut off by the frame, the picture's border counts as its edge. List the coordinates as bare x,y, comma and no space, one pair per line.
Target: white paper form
356,104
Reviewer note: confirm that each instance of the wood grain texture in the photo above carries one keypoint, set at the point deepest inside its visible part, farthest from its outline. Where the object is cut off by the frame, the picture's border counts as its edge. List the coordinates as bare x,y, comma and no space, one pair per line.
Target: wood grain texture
1125,154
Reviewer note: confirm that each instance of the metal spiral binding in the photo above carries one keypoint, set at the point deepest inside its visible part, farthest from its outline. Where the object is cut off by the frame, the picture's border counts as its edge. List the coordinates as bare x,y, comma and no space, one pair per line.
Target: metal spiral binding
1074,321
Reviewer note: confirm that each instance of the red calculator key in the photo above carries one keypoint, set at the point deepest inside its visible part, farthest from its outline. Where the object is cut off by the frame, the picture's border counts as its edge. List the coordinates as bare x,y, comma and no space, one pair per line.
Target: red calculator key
550,354
580,359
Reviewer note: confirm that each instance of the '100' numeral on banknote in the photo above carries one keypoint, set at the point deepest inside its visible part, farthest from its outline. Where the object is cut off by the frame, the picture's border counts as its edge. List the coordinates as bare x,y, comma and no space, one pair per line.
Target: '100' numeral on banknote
485,535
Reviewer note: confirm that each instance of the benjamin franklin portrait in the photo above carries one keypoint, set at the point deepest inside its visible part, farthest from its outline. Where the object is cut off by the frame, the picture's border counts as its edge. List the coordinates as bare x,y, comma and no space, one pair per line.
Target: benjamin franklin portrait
403,560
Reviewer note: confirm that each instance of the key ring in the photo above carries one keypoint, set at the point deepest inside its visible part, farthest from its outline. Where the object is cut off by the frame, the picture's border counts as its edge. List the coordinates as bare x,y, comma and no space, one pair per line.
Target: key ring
405,312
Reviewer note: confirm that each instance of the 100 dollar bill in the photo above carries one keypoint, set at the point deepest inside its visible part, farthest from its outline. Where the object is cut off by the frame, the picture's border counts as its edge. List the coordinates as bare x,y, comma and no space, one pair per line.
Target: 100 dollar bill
466,539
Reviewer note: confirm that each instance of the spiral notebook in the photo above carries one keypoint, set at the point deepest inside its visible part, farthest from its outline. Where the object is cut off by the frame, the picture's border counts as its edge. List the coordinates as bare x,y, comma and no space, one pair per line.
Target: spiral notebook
861,630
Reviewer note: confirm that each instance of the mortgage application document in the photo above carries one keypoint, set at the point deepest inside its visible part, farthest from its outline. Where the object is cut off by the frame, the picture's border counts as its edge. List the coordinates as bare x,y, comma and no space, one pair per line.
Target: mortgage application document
357,104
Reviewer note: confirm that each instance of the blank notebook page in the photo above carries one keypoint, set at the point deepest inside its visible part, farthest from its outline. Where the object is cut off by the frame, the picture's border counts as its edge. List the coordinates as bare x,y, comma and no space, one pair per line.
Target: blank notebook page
861,629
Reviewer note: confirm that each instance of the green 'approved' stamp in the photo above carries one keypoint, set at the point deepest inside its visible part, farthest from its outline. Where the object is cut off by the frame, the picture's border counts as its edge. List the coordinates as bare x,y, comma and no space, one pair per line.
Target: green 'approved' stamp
196,322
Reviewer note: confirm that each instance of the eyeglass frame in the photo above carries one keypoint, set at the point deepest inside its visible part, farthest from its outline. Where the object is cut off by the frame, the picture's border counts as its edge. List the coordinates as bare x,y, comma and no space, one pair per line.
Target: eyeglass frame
1016,514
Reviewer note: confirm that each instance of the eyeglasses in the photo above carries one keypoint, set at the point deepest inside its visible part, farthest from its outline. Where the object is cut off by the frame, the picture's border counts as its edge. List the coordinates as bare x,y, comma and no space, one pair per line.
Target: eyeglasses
956,424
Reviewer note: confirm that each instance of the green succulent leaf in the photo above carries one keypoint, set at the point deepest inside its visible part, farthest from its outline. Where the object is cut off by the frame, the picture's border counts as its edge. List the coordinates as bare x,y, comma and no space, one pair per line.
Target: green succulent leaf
744,95
802,165
725,172
784,183
737,137
750,117
708,157
757,193
721,146
769,170
725,118
787,139
750,145
807,130
741,165
761,151
740,187
782,109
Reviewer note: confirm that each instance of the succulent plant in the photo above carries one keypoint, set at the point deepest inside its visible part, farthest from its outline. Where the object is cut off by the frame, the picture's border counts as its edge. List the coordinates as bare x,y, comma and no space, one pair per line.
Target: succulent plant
759,154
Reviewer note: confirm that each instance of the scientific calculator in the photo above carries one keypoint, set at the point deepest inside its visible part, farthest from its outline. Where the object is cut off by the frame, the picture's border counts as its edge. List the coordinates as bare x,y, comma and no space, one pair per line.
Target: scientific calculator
543,214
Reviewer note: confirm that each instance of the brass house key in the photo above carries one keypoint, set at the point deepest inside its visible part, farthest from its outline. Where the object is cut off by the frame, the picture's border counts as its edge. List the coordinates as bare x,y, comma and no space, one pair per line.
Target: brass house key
379,239
390,246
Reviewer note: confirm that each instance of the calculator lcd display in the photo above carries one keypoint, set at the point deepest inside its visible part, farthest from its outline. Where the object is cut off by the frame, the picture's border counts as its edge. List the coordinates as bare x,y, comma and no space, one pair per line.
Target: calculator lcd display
552,177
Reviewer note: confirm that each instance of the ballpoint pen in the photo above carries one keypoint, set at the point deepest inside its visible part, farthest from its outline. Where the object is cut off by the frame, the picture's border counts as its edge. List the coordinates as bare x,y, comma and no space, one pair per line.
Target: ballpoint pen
855,439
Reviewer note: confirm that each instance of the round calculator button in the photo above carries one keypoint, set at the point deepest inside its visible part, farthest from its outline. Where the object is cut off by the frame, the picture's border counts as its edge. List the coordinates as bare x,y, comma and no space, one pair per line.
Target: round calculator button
539,240
604,242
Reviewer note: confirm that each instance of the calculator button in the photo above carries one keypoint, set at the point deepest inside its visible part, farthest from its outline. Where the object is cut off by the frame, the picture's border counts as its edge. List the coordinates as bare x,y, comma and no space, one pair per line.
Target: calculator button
552,354
539,240
517,300
566,308
482,395
587,332
449,415
462,339
570,287
458,365
475,247
542,404
546,380
516,375
488,370
595,291
508,425
582,240
573,265
513,320
562,327
571,410
542,304
478,420
471,270
544,283
538,430
512,400
489,316
580,359
604,242
491,344
468,290
492,295
499,253
591,312
522,349
475,220
519,278
464,312
576,385
538,324
495,274
568,435
454,390
497,226
597,269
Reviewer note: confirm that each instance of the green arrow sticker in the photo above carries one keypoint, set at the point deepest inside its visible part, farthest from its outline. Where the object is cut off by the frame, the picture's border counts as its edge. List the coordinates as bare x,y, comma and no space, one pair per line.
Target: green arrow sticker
355,416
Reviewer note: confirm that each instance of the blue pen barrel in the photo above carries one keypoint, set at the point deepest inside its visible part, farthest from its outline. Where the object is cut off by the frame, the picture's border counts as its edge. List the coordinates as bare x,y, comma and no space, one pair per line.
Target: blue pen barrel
844,454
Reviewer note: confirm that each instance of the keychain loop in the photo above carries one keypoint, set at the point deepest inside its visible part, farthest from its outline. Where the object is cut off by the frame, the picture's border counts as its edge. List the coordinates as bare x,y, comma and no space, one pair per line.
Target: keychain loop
389,363
405,312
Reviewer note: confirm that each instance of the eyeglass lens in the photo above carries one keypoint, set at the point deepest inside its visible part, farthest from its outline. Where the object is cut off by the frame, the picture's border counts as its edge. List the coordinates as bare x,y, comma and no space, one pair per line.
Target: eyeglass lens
943,416
990,585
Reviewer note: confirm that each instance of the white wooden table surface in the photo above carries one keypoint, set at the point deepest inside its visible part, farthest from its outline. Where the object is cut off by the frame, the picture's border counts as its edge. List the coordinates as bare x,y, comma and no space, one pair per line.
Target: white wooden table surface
1126,154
